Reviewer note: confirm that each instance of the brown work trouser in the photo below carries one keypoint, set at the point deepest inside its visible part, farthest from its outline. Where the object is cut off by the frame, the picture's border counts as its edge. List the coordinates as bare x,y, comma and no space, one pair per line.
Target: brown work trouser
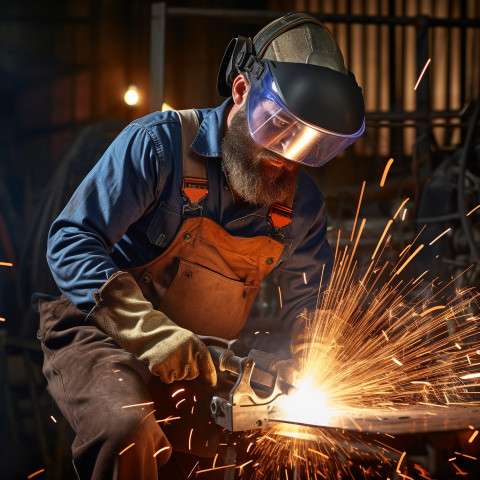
100,387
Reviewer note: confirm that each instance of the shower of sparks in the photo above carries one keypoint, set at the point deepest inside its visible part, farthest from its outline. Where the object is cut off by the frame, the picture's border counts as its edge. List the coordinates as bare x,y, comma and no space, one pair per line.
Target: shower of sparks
422,74
385,171
379,342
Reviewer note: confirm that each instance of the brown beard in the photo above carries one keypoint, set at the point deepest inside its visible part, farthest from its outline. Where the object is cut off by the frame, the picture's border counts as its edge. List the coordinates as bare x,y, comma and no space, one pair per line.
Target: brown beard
247,168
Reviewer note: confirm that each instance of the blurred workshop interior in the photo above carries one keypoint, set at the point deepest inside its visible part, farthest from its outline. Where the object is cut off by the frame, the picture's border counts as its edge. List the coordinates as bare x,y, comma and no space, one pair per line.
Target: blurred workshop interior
73,73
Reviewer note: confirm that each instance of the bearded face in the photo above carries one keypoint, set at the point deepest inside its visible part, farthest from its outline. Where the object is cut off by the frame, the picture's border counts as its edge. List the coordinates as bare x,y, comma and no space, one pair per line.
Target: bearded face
257,175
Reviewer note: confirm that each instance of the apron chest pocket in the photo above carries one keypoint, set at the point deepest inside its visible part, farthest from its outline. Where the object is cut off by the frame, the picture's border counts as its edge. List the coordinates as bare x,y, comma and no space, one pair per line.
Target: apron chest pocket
207,302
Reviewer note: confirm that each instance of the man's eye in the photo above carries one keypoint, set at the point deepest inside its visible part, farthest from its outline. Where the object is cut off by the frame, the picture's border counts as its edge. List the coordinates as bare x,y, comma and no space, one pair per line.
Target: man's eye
278,122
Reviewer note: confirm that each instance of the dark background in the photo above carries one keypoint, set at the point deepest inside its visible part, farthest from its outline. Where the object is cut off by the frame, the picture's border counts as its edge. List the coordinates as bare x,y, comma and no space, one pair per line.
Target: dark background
64,67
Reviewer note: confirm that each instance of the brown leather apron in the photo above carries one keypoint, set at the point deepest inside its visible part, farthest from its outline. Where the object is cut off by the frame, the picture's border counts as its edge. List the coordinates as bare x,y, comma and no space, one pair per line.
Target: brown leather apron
216,277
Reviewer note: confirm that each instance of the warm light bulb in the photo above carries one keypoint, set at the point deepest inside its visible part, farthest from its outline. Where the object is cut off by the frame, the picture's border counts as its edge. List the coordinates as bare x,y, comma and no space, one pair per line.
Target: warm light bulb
131,96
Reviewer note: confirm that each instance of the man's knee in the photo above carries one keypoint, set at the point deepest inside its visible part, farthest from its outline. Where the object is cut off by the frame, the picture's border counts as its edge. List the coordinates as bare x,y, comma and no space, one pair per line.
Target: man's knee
136,434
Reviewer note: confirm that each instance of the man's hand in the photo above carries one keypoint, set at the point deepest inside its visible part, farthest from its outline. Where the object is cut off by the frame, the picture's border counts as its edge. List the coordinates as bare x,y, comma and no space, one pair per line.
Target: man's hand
188,359
171,352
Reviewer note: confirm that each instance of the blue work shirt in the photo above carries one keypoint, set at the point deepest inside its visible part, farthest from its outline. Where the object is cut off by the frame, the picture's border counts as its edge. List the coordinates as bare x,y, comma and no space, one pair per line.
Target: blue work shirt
128,209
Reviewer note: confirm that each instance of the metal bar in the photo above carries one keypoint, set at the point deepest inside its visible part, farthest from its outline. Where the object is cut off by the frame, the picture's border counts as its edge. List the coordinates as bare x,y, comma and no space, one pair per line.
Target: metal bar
157,56
262,15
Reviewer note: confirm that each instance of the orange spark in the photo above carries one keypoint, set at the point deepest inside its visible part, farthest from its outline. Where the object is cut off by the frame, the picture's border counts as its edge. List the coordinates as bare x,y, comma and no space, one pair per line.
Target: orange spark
304,278
400,207
36,473
459,471
182,400
138,405
421,74
190,439
358,210
180,390
168,419
2,319
126,448
398,362
319,453
280,296
409,259
194,467
243,464
215,460
216,468
381,238
471,211
400,462
441,235
53,418
472,438
466,456
470,375
7,264
438,307
385,171
161,450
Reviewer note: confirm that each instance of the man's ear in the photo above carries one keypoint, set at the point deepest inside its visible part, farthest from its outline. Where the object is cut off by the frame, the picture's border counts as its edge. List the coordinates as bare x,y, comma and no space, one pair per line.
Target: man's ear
240,90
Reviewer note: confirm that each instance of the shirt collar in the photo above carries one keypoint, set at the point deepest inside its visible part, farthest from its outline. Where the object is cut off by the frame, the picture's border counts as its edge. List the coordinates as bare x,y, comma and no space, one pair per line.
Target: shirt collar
210,134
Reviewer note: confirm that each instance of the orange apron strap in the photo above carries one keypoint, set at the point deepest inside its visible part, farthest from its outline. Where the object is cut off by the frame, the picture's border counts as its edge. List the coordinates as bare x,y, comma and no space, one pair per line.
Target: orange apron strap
195,184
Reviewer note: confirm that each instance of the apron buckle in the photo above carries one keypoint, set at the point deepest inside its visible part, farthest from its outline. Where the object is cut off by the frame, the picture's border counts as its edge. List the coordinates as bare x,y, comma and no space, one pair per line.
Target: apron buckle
194,190
280,216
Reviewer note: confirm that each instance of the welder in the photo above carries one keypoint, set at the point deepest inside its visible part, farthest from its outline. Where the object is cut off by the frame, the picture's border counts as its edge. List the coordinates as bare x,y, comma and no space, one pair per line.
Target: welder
169,237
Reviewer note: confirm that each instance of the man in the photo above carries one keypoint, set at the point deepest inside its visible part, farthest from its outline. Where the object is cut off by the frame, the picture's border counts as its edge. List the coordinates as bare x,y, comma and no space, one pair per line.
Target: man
169,237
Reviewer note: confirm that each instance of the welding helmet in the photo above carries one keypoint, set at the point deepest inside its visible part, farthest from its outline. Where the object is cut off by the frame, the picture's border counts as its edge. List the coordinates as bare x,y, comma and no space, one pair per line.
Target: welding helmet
303,104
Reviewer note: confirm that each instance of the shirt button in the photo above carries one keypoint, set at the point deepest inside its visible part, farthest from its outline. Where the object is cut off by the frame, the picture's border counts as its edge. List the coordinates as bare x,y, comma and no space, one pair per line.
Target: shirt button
269,260
187,236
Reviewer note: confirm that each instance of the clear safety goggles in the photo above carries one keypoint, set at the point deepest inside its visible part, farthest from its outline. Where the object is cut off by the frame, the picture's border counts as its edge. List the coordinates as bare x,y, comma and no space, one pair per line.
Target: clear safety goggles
277,129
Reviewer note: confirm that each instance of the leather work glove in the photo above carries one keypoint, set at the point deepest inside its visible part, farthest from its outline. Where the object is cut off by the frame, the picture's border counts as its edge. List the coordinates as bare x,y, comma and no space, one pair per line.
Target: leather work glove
287,370
171,352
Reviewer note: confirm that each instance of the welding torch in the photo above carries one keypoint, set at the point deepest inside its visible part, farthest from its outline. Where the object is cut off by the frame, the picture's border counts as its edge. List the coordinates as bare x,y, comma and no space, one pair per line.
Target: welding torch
256,384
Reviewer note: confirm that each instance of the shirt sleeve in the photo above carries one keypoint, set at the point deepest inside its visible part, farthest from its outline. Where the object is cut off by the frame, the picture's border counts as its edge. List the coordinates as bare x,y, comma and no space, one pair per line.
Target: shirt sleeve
115,193
307,270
